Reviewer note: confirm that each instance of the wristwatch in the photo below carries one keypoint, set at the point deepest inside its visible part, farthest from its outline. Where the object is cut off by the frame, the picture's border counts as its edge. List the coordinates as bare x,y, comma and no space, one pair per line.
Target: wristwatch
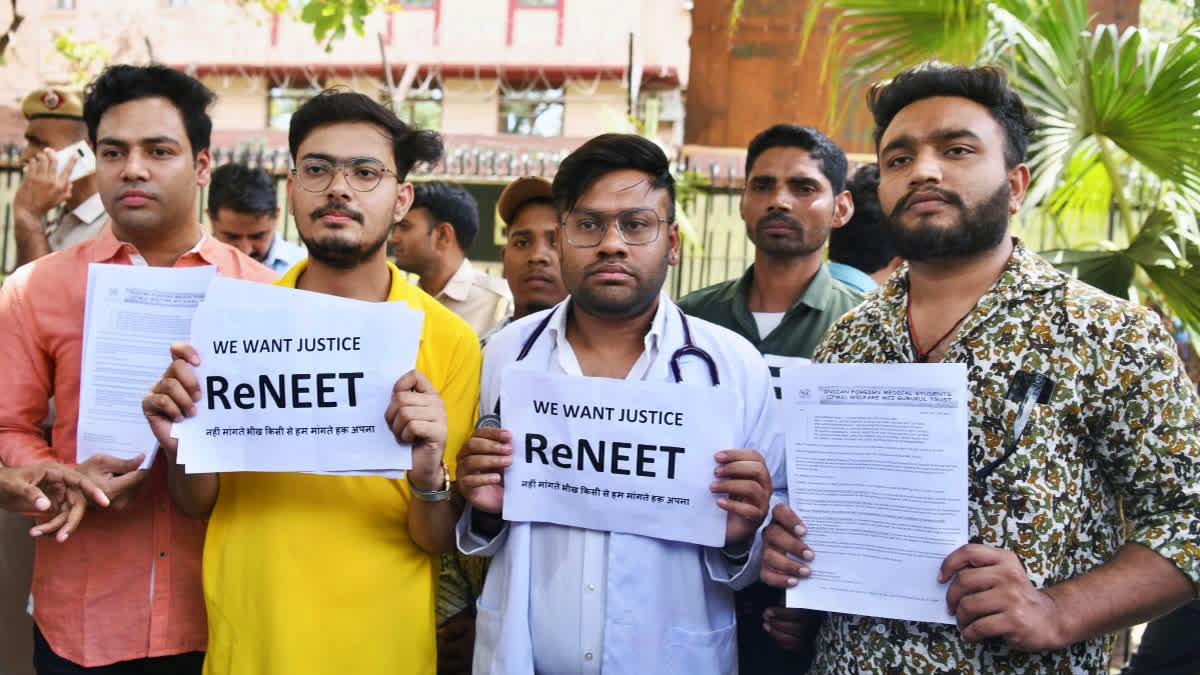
431,495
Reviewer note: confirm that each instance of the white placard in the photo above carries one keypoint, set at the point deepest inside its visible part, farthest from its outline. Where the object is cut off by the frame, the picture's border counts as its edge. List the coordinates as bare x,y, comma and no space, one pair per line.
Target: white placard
877,469
615,455
297,382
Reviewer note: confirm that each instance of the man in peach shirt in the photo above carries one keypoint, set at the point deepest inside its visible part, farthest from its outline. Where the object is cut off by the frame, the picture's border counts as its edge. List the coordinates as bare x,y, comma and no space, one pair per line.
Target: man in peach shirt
124,591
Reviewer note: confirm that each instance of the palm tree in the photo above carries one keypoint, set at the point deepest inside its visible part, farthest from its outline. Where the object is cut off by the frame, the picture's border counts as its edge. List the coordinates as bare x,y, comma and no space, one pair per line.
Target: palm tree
1119,125
1116,157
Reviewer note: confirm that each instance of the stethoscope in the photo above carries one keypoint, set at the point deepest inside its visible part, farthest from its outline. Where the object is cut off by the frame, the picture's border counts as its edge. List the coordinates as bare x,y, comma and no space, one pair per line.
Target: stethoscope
689,348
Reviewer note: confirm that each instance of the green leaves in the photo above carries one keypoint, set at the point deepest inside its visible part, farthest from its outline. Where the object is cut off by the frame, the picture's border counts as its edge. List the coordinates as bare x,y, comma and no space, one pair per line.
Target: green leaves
1118,136
1168,254
329,18
882,36
86,57
1108,97
882,32
873,39
1118,126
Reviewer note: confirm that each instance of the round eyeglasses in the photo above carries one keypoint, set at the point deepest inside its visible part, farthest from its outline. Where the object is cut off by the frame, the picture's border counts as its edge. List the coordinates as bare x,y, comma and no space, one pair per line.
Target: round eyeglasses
362,174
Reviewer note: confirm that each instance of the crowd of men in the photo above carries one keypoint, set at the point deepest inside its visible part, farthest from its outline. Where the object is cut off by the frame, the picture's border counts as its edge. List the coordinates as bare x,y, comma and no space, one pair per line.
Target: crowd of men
1090,524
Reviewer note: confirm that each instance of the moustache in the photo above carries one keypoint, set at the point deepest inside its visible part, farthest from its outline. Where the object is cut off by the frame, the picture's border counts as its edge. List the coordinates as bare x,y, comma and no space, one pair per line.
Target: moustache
947,196
779,218
332,207
147,190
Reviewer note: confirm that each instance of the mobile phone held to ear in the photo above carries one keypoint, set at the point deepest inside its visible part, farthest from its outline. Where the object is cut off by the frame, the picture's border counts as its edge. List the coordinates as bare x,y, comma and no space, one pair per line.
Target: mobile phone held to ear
85,164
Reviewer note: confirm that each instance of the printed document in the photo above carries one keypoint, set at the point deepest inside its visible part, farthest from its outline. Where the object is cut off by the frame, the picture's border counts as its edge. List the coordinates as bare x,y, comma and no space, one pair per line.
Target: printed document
877,470
131,317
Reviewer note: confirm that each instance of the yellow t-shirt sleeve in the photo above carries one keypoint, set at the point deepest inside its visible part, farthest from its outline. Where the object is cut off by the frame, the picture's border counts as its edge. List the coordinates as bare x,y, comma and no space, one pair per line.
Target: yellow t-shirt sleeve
460,394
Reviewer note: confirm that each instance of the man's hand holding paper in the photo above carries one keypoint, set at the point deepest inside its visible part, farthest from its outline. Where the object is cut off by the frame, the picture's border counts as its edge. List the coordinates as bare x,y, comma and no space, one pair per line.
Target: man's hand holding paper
417,416
609,455
785,555
877,467
173,397
481,464
991,596
745,482
283,389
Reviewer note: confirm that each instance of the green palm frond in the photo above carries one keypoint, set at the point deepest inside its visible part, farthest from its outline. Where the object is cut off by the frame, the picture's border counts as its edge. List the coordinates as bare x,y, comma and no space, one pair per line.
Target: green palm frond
1110,271
1165,249
880,33
870,38
1118,123
888,35
1111,98
1083,193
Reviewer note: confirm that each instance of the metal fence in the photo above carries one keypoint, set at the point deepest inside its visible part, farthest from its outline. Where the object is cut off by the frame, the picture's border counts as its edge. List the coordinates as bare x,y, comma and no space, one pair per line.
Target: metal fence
719,250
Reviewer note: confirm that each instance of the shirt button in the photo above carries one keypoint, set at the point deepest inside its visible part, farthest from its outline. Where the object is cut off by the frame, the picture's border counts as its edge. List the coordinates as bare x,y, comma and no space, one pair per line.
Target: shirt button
591,587
162,554
587,656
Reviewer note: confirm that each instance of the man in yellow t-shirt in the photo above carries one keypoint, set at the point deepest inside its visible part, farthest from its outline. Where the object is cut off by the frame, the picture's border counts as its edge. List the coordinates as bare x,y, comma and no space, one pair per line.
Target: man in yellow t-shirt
328,574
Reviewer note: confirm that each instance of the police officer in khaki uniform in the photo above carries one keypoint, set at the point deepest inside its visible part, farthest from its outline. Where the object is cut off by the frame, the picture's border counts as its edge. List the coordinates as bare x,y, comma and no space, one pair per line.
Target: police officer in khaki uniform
55,117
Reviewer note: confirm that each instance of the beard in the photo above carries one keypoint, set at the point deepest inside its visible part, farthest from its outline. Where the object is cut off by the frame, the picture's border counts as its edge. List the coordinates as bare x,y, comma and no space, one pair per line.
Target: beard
599,303
338,253
788,247
979,228
334,250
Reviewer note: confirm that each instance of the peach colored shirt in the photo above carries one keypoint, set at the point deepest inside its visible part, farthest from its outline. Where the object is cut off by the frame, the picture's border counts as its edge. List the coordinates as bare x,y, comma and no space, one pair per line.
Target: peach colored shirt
126,585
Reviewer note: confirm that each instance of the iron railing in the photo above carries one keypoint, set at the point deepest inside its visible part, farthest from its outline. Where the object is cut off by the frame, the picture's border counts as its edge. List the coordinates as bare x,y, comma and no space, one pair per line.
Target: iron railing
719,250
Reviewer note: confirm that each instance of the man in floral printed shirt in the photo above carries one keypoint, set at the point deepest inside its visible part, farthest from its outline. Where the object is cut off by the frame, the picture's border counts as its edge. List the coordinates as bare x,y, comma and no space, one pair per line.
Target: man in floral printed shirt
1112,441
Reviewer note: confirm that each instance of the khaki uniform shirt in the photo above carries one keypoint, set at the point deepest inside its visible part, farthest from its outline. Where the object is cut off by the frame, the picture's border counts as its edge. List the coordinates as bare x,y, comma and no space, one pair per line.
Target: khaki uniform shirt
1116,446
482,301
80,224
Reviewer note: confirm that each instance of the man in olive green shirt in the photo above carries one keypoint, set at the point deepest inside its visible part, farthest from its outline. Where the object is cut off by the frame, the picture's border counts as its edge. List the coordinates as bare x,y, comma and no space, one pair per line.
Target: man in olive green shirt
794,196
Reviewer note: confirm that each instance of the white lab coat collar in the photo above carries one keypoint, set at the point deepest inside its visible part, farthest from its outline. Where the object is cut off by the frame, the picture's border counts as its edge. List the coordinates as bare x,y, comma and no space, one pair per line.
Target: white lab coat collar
556,333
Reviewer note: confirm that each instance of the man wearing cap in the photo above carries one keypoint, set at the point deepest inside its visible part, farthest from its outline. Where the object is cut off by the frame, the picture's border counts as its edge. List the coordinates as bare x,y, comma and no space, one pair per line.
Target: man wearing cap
529,255
55,121
123,594
531,268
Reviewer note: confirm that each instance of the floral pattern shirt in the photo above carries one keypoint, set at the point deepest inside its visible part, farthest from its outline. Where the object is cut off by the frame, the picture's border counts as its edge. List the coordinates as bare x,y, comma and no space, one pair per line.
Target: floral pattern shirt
1113,456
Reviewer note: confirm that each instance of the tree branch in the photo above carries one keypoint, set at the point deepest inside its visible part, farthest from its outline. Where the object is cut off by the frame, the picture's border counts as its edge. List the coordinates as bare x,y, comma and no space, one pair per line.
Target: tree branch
17,19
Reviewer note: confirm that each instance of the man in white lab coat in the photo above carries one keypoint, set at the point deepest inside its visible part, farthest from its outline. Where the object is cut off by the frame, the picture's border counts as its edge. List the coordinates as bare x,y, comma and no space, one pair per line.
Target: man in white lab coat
561,599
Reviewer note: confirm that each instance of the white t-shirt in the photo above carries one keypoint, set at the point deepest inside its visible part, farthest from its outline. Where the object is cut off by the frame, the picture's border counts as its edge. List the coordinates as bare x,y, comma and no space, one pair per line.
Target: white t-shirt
767,322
